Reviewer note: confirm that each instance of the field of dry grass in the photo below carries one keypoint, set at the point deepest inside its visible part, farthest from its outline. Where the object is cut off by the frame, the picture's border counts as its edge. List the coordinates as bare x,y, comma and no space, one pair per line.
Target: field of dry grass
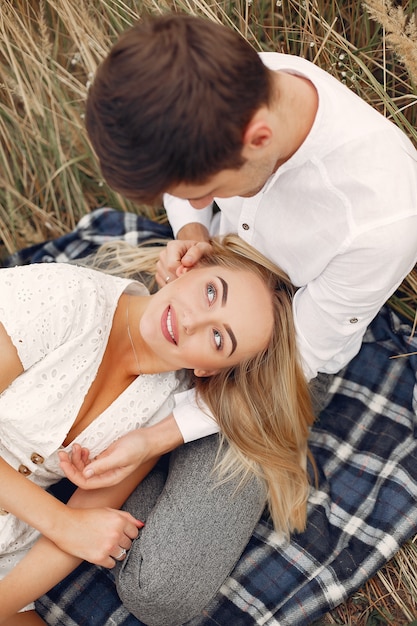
49,177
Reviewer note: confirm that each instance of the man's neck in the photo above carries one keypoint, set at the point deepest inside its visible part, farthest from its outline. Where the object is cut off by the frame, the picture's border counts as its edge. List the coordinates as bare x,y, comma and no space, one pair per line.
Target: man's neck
295,109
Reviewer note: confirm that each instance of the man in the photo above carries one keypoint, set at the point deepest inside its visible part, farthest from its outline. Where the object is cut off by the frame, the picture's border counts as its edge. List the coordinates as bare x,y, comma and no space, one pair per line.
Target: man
301,168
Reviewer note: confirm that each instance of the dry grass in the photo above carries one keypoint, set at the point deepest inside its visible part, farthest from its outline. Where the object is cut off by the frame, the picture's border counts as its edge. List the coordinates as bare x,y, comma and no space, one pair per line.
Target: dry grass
49,178
49,50
388,599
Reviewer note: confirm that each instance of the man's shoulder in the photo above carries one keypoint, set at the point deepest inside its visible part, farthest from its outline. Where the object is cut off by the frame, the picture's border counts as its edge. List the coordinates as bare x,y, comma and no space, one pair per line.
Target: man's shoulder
290,62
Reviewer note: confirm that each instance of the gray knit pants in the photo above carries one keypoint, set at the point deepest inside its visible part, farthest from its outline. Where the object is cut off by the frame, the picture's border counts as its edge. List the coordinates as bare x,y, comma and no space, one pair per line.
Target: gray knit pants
195,531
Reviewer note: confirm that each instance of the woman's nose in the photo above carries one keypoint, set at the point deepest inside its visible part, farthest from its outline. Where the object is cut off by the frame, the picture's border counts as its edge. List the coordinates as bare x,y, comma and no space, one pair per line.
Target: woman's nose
188,323
192,321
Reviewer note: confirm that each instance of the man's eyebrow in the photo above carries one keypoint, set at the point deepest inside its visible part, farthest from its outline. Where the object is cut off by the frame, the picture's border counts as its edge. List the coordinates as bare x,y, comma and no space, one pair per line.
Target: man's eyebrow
227,327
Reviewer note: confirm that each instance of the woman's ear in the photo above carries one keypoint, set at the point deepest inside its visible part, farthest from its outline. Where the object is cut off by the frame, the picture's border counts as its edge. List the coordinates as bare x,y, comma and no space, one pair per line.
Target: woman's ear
181,269
204,373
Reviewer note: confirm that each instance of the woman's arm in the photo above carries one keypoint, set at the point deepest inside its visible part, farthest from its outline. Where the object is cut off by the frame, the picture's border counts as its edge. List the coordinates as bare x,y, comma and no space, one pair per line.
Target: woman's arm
28,581
89,534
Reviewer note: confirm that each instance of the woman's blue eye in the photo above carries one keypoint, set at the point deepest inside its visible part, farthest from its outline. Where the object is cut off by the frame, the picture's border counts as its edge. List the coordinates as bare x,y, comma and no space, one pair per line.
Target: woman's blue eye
211,293
218,339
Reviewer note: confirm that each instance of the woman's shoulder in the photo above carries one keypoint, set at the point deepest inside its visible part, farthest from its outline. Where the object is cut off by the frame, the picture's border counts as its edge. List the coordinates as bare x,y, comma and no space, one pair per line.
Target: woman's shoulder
56,292
45,305
56,279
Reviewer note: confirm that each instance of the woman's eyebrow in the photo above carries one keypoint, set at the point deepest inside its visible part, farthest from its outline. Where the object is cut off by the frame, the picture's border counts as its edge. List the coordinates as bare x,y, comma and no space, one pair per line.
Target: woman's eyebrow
229,331
232,338
225,290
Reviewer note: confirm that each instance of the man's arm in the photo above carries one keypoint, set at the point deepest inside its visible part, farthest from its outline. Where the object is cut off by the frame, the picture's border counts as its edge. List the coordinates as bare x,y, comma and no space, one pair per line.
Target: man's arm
333,311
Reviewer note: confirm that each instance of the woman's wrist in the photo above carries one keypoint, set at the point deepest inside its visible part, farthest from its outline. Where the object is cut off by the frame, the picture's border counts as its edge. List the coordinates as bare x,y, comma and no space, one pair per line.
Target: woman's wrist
55,521
161,438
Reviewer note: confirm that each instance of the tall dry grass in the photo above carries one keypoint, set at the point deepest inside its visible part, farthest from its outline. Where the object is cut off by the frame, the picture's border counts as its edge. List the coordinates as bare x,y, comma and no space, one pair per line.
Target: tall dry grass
49,178
49,50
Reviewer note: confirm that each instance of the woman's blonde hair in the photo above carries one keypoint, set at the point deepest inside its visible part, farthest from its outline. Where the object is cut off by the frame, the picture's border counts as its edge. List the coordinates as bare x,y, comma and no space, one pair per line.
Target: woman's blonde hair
262,405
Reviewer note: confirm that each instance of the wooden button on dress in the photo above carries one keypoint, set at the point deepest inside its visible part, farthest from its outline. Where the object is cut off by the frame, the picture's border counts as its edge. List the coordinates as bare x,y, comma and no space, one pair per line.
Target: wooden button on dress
24,470
37,458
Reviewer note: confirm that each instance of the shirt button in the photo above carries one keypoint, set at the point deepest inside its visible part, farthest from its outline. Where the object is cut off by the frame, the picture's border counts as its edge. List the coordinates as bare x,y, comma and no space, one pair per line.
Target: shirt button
353,320
245,226
24,470
37,458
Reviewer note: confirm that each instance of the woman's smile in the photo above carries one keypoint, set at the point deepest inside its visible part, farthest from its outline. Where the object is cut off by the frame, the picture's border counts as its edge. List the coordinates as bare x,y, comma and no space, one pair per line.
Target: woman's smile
169,325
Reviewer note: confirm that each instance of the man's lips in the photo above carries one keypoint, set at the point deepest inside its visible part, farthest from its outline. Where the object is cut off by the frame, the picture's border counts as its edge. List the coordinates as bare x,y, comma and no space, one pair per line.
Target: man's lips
168,325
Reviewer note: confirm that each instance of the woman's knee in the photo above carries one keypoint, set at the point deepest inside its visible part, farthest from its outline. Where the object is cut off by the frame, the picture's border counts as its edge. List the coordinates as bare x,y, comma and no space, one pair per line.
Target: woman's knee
162,600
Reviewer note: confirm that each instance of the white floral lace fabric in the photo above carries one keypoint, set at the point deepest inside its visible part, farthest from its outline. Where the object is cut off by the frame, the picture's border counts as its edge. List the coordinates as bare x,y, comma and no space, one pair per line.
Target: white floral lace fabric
59,318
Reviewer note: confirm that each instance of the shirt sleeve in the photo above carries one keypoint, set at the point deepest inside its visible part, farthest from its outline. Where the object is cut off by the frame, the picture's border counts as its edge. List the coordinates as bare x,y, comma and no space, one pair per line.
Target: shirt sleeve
192,421
332,312
180,212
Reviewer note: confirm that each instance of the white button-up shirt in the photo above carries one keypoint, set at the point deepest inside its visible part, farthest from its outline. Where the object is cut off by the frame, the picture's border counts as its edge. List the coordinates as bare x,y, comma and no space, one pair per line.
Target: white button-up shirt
340,217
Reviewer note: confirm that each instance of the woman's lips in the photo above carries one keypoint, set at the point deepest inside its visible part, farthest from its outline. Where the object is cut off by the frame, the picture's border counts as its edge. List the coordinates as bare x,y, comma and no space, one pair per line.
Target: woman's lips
168,324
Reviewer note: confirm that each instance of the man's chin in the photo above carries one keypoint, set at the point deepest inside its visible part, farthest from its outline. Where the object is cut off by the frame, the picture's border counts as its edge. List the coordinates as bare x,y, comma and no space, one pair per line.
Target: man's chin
250,194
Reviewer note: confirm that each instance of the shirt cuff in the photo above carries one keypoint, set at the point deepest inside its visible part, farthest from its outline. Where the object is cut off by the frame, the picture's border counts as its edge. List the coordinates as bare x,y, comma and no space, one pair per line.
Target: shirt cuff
180,212
191,420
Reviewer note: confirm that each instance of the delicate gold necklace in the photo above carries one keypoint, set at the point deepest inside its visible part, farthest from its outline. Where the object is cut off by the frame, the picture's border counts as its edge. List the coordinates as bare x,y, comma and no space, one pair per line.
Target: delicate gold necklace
130,336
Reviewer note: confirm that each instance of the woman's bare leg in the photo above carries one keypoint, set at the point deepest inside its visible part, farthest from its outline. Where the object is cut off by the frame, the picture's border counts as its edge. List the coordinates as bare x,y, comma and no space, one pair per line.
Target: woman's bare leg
27,618
24,584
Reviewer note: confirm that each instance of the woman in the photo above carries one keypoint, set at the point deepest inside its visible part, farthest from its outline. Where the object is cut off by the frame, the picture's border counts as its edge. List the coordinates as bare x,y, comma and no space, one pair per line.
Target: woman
59,352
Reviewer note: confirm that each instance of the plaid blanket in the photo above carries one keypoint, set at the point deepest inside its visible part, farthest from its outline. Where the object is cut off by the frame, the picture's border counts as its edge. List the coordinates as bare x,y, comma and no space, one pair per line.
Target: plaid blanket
94,229
363,509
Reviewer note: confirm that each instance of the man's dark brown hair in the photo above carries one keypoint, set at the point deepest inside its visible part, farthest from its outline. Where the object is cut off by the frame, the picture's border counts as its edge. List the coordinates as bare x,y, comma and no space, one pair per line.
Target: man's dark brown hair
171,102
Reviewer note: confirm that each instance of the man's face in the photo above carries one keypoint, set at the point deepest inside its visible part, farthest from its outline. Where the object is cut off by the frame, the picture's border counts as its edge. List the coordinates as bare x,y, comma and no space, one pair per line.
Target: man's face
245,182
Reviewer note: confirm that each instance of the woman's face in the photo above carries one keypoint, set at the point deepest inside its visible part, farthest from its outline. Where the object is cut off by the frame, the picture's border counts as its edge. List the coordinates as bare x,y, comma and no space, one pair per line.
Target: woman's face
208,319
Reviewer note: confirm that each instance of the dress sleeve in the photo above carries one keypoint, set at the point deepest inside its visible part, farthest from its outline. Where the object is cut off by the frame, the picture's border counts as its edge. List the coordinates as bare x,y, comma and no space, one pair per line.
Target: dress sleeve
45,305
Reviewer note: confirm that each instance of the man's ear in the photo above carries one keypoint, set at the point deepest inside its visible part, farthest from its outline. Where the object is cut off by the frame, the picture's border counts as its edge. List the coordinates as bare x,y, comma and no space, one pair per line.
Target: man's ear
204,373
258,134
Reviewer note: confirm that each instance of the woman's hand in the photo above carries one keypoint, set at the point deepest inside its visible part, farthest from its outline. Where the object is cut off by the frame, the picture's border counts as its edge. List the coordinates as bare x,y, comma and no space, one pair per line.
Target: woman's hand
178,256
97,535
116,463
122,457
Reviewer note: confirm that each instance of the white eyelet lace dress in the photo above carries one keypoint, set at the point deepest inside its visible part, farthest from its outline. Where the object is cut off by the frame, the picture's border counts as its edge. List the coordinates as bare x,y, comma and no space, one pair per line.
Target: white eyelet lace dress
59,318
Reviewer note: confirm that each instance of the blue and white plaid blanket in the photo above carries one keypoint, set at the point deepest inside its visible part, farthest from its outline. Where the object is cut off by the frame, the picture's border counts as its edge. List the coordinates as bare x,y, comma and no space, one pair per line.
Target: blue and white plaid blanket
364,508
